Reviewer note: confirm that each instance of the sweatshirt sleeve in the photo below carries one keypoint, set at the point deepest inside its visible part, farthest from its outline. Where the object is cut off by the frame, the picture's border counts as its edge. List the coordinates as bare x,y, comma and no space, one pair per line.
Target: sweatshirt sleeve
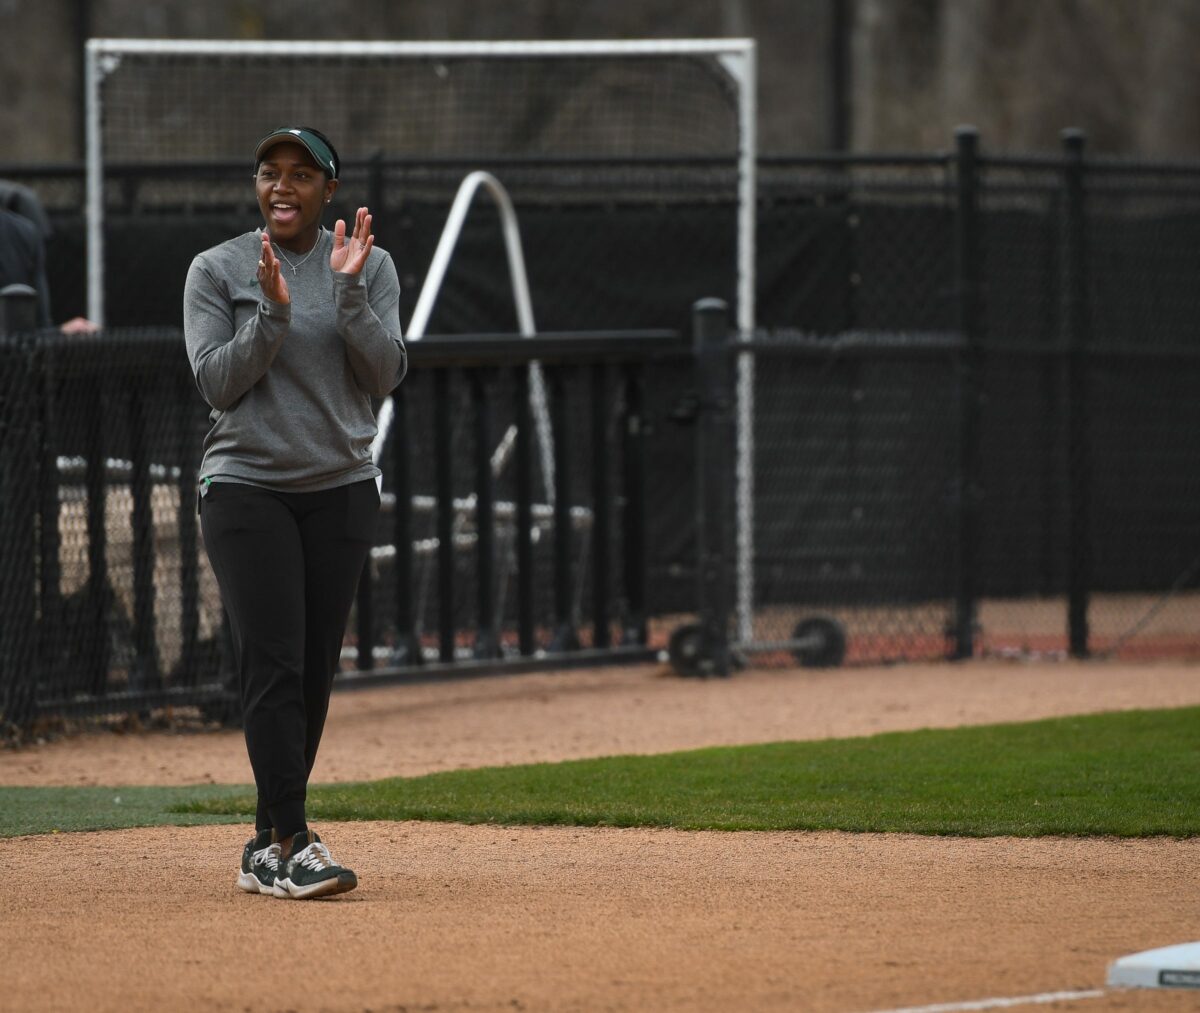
227,363
368,319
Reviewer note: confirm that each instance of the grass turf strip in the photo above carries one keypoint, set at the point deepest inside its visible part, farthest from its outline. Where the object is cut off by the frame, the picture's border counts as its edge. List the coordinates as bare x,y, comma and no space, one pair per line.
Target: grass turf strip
59,810
1126,774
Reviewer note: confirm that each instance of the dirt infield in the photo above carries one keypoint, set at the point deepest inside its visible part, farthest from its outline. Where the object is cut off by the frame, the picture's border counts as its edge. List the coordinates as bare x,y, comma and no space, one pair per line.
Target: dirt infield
490,918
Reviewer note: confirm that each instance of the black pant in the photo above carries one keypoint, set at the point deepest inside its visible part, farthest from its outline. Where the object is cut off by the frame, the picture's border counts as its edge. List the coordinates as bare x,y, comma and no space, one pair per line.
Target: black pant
288,566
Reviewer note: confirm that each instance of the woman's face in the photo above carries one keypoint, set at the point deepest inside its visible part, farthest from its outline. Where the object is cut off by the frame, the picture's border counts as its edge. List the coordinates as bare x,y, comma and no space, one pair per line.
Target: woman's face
292,192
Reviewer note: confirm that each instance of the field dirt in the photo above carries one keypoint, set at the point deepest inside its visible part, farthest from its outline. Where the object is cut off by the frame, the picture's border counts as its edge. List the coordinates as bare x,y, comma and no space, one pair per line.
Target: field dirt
451,917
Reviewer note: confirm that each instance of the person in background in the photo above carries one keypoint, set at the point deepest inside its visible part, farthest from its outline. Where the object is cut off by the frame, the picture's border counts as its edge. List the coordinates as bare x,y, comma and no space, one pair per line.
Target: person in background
291,330
21,200
24,230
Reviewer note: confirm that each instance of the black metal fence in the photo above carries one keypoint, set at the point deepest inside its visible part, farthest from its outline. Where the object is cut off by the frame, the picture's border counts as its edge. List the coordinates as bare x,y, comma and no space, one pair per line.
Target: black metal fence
967,422
976,437
486,556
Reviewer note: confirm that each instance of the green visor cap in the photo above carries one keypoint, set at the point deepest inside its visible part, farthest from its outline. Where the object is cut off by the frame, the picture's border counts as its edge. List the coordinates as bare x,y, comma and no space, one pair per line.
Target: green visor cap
297,135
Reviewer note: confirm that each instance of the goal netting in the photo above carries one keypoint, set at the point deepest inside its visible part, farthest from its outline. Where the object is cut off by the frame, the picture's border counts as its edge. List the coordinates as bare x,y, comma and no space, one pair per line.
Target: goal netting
666,123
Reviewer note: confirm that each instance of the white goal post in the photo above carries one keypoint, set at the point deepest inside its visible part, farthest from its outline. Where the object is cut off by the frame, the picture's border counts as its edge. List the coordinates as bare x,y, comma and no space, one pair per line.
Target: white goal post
155,106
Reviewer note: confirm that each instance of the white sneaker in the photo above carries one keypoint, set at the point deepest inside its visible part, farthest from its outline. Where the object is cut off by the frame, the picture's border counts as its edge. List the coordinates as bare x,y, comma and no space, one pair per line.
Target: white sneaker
260,865
311,871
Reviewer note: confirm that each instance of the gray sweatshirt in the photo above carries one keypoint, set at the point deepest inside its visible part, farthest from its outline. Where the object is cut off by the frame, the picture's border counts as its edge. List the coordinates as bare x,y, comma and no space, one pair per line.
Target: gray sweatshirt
291,385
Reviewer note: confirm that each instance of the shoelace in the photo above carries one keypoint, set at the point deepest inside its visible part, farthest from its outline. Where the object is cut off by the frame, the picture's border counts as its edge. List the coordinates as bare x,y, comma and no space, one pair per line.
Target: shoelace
315,857
268,856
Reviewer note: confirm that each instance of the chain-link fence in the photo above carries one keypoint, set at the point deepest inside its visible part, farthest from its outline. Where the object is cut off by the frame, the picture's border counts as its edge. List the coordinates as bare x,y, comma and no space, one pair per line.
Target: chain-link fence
971,424
106,605
1139,246
855,406
486,554
970,429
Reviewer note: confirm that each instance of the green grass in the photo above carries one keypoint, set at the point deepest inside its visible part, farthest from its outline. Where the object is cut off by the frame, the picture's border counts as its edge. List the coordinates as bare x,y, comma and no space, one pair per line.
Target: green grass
1127,774
59,810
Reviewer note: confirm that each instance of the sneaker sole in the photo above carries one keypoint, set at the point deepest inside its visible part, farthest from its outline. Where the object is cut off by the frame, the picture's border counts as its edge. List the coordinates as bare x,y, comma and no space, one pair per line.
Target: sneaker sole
343,883
252,884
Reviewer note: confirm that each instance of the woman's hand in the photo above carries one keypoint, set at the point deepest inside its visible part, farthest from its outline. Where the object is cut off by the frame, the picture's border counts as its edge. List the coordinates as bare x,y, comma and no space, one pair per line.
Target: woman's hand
349,255
270,278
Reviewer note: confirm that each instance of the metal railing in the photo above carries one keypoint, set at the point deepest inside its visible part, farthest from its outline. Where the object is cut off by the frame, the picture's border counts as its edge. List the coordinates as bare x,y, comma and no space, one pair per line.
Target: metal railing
107,603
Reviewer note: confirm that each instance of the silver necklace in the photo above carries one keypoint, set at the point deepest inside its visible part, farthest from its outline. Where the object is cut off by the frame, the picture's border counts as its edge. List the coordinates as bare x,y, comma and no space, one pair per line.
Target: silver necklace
296,267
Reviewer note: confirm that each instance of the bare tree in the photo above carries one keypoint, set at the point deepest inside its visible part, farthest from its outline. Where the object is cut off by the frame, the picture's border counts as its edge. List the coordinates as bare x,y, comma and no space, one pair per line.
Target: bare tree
1169,119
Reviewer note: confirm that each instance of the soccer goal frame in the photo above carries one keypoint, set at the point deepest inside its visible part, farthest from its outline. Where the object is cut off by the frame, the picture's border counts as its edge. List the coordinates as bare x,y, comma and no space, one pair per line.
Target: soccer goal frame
736,56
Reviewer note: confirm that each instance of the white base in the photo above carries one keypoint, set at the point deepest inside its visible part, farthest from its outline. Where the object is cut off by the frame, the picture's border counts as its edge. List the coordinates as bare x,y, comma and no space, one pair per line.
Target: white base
1166,967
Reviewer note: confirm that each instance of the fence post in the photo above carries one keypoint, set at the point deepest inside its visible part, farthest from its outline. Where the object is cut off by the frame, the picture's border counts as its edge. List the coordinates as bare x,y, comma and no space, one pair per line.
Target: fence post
565,636
18,309
634,514
146,674
94,632
407,649
487,635
444,484
524,516
1075,343
714,479
50,619
967,266
601,634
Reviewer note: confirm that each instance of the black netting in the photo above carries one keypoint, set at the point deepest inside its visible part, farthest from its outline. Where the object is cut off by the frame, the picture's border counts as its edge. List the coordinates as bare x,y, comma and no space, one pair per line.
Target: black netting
1143,504
963,436
181,106
119,610
1141,243
1085,448
856,421
19,518
855,457
589,247
579,143
1023,448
